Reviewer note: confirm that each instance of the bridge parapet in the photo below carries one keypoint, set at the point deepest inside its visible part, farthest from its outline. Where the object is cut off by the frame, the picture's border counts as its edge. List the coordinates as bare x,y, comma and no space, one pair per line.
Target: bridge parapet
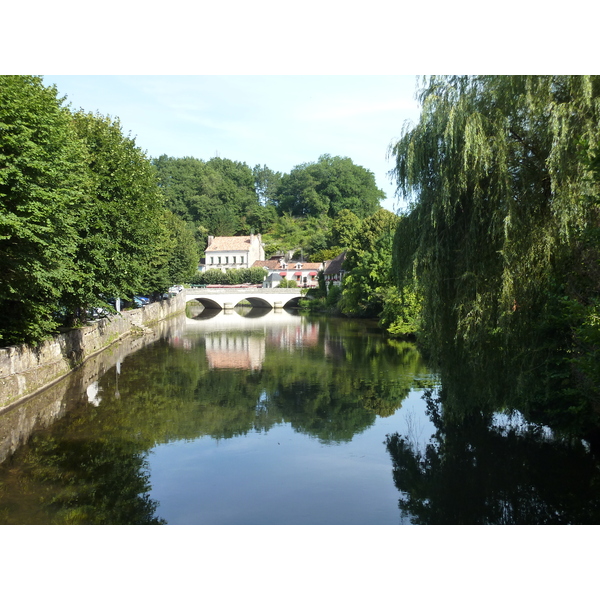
229,297
245,290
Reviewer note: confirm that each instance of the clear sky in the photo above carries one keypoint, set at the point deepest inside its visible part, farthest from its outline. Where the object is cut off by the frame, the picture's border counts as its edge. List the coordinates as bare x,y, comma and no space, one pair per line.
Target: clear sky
276,120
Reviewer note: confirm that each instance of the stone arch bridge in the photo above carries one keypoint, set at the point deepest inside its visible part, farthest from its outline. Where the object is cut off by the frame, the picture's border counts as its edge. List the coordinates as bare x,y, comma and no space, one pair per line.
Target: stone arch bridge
224,298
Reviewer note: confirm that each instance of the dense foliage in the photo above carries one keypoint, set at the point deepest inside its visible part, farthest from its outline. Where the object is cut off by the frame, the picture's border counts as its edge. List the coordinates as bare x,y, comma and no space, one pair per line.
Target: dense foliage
215,197
501,236
43,183
295,212
368,265
82,218
230,277
326,187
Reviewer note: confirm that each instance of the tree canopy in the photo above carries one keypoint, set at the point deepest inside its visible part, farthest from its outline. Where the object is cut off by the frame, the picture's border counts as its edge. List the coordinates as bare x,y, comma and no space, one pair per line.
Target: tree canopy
368,265
82,218
217,197
43,186
497,173
326,187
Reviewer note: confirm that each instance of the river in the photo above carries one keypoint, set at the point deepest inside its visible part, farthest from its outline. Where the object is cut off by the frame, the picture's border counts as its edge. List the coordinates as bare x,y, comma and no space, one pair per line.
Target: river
270,417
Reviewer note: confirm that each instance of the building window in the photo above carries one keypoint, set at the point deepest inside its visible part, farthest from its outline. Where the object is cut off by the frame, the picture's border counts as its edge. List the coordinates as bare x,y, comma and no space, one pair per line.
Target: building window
212,260
227,260
234,260
219,259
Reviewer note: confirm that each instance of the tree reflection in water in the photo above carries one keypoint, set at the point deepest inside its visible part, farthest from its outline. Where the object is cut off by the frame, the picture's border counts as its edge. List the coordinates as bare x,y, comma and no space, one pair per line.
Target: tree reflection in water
328,380
475,470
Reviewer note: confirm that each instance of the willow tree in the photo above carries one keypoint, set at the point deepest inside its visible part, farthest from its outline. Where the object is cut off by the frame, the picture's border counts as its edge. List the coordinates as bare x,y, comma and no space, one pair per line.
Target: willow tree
495,179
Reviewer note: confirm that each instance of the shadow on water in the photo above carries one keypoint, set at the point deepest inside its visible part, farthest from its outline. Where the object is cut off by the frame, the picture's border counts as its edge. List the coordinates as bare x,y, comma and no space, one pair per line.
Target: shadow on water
202,314
482,467
51,472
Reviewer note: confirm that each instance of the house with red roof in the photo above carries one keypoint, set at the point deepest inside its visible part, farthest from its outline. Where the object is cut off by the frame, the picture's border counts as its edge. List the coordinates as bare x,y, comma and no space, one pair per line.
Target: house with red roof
305,274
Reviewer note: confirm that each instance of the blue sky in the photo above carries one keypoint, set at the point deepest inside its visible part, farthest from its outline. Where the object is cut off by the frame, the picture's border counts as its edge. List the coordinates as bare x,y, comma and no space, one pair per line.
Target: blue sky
278,120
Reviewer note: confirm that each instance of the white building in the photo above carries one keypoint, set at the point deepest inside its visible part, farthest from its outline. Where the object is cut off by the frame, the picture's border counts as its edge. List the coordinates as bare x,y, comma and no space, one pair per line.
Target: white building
234,252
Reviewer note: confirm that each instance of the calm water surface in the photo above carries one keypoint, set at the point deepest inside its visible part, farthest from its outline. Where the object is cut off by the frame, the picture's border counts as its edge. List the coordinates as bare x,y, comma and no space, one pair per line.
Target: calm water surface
257,417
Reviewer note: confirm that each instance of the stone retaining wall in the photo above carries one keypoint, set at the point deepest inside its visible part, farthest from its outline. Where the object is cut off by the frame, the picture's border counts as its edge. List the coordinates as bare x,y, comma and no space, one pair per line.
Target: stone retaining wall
21,419
25,370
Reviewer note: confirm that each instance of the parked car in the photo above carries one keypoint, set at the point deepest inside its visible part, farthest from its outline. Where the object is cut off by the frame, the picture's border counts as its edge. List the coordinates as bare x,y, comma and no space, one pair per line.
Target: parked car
140,301
98,312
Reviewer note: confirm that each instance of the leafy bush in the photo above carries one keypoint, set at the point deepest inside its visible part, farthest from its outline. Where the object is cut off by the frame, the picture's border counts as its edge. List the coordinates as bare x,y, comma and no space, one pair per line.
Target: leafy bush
333,296
288,283
401,312
214,277
231,277
196,279
254,275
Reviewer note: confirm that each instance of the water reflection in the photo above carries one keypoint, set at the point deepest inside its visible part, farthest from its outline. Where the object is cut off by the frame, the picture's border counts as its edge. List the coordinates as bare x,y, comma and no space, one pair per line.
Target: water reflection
279,410
481,468
226,351
223,378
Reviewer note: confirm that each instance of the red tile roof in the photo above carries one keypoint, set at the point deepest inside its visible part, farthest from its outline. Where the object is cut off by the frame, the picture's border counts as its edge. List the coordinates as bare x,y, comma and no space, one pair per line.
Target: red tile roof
235,243
269,264
306,265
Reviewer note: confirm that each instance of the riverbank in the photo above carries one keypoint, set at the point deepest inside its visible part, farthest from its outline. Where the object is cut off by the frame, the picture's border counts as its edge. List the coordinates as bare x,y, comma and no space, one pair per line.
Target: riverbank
26,370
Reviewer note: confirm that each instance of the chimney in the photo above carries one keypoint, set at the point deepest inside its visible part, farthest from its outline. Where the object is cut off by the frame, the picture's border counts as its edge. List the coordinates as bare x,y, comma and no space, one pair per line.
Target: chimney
210,239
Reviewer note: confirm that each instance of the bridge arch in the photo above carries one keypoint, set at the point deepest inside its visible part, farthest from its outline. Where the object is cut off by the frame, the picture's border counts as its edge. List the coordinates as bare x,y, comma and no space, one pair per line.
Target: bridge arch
224,298
207,302
258,302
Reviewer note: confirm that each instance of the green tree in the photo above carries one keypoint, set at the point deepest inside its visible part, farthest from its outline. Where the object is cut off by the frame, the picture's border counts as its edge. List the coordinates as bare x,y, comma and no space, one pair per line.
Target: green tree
368,266
327,187
344,229
302,236
326,254
266,184
184,257
217,196
236,186
43,189
123,239
288,283
494,173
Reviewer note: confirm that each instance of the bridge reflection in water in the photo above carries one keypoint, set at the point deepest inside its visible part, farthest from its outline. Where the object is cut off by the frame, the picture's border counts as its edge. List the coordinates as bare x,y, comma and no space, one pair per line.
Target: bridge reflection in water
238,338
